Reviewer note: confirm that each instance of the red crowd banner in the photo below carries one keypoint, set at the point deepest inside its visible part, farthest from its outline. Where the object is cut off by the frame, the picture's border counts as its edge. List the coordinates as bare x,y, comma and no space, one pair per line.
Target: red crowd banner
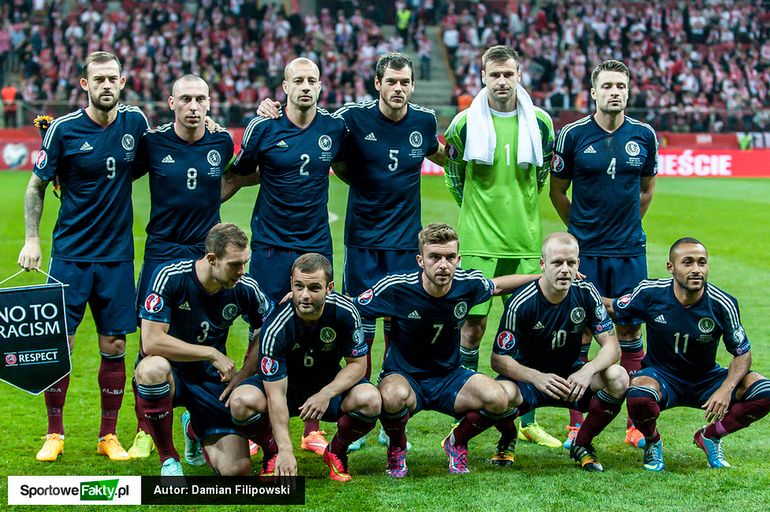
19,147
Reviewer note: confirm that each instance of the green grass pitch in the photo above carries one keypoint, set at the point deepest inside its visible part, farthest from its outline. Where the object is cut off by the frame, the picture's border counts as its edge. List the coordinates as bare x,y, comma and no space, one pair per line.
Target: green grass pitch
729,216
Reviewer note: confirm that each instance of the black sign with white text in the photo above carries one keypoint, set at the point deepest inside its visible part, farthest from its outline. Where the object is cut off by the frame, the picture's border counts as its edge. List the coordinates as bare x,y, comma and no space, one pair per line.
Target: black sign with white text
218,490
34,353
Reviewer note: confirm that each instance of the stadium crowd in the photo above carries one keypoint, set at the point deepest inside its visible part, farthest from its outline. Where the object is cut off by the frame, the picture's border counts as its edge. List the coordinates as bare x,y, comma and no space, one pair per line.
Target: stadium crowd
246,49
696,66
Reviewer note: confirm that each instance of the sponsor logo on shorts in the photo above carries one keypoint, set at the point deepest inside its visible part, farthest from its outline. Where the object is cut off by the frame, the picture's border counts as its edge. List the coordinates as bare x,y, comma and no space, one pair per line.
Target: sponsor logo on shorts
230,312
461,309
366,297
632,148
325,142
577,315
153,303
506,340
127,142
624,301
706,324
214,158
269,366
42,159
415,139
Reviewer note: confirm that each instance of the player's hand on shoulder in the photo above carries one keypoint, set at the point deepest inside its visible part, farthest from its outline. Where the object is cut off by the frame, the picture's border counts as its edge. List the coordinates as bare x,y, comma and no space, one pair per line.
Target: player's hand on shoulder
224,365
30,255
212,126
285,464
269,108
552,385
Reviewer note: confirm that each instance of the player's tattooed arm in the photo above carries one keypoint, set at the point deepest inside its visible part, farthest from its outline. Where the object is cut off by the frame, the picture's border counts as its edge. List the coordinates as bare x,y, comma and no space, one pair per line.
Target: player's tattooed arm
646,190
559,199
507,284
438,157
285,464
719,402
608,306
341,171
549,383
30,254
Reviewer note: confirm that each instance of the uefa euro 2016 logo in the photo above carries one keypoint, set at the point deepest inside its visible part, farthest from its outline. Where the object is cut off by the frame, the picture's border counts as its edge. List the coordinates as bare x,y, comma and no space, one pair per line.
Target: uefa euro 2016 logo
506,340
154,303
269,366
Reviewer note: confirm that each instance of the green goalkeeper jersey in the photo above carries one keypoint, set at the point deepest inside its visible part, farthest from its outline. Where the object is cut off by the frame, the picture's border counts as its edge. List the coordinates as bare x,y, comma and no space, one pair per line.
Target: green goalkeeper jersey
499,210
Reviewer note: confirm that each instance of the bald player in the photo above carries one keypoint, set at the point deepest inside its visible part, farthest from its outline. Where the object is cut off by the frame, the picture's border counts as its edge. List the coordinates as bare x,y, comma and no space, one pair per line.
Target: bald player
291,158
185,163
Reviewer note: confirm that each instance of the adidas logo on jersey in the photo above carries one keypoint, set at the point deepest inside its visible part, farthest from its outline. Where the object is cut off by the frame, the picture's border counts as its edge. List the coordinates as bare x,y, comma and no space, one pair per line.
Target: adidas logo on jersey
371,137
660,319
538,327
184,306
590,150
414,315
282,144
86,147
296,346
167,160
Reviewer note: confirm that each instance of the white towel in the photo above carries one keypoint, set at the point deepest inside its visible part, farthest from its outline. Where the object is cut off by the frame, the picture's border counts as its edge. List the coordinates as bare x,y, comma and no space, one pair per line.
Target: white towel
480,140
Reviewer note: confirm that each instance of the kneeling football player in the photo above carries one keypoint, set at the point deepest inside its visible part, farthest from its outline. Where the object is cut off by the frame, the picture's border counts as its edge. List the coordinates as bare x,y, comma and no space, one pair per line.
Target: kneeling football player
537,351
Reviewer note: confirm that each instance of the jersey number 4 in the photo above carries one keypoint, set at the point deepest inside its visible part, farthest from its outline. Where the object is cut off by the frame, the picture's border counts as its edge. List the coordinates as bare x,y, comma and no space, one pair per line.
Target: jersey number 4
611,168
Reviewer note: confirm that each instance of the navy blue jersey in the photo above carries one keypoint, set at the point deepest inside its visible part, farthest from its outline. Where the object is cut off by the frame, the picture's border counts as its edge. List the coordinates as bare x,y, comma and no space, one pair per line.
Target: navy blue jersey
384,162
425,330
291,209
684,339
606,171
185,189
310,355
547,337
176,297
94,166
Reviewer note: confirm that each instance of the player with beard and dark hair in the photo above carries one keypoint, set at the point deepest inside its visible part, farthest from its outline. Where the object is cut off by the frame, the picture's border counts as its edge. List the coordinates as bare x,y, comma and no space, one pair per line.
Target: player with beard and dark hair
91,153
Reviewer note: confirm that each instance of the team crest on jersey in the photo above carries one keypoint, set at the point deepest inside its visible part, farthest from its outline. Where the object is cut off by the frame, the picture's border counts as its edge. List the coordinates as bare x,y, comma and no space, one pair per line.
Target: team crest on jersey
557,164
42,159
624,301
153,303
269,366
577,315
415,139
366,297
632,148
328,335
127,142
461,309
230,312
325,142
452,152
506,340
214,158
706,325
